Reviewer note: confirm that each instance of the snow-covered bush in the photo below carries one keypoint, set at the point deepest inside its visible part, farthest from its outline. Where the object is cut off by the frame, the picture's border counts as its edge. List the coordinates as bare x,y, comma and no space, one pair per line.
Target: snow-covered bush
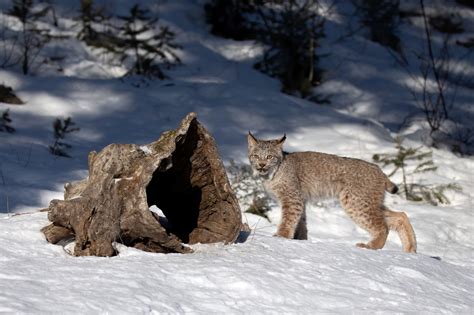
8,44
136,39
143,46
228,18
447,23
89,17
410,162
31,37
381,19
249,189
61,129
289,30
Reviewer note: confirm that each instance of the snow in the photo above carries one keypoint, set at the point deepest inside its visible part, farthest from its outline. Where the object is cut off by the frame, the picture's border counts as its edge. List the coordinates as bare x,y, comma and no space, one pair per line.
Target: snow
261,273
264,274
146,149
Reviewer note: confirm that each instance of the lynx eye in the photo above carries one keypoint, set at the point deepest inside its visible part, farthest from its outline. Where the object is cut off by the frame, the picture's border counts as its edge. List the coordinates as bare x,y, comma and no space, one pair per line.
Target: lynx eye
254,156
269,157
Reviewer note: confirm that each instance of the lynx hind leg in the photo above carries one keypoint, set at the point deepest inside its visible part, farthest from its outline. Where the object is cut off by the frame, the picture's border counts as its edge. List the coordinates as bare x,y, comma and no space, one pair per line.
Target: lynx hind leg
368,217
399,222
301,232
379,237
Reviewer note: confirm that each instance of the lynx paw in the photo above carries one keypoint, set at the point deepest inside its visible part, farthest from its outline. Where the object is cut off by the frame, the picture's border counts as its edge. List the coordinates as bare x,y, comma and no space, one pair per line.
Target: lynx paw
363,245
409,249
283,233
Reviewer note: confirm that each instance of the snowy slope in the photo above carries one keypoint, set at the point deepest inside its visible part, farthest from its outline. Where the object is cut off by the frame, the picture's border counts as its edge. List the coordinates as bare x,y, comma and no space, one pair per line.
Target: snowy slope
263,274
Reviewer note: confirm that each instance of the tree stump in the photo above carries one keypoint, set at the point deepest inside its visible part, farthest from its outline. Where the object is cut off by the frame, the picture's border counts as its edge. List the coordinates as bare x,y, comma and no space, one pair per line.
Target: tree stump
181,173
8,96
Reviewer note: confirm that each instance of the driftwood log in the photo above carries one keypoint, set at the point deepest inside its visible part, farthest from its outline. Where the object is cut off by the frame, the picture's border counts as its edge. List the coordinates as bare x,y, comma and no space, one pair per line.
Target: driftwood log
181,173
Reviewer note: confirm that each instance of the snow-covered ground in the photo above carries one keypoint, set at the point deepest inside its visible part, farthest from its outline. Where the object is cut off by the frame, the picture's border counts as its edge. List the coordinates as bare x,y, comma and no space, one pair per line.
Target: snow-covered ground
262,275
326,274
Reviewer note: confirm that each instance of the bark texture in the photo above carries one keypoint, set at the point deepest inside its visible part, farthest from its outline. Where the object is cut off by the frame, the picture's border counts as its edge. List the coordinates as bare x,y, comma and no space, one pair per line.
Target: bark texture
181,173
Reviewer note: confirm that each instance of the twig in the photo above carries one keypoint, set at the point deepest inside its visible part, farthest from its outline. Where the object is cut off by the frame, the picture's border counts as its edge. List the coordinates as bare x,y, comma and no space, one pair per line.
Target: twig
255,228
27,162
432,60
1,175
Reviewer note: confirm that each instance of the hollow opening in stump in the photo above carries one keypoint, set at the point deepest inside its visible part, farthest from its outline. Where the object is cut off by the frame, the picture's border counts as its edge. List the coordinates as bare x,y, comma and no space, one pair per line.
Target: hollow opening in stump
176,186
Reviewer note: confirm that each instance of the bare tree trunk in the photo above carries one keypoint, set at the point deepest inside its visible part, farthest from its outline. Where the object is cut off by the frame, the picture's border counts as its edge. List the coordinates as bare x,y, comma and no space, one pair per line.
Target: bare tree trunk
432,61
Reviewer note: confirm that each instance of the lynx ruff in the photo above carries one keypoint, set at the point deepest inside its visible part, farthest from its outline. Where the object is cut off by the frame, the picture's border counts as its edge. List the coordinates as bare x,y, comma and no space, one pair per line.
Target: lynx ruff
296,178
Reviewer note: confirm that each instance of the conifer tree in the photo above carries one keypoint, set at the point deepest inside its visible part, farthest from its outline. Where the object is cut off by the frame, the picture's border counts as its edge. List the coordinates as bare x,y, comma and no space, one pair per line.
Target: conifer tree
291,31
228,18
5,122
144,46
61,129
381,18
32,38
423,160
89,14
96,29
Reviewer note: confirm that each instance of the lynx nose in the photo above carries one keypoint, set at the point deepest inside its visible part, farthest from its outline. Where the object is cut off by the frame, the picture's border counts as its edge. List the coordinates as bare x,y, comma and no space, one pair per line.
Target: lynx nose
262,165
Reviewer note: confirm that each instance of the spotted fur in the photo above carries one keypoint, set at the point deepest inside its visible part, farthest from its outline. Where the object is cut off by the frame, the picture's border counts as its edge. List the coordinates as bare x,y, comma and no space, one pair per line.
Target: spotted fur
296,178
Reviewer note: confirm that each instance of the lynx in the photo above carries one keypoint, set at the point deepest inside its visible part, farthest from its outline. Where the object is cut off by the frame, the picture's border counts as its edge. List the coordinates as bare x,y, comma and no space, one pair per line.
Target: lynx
296,178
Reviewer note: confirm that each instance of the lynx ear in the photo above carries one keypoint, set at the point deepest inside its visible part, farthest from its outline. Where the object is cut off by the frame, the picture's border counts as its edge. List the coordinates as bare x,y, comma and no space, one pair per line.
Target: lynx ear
280,141
251,139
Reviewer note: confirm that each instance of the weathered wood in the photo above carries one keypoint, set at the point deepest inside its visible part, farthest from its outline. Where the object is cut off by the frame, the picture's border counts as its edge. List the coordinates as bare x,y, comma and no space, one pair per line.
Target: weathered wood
55,233
181,173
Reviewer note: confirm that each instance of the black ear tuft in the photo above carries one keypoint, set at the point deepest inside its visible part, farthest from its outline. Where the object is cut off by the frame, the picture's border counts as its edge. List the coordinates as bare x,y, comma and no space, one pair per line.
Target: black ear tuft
251,139
280,141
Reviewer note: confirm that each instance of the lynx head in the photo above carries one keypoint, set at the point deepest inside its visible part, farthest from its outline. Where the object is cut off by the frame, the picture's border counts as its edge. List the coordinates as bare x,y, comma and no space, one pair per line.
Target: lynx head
265,155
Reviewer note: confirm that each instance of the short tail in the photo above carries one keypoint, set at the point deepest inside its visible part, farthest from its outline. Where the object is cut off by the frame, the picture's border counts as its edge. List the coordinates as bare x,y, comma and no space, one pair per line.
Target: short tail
390,187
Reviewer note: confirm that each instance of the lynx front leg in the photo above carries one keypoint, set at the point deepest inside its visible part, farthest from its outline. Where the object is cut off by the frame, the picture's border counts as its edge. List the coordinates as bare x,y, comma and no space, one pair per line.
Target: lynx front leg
301,232
292,207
